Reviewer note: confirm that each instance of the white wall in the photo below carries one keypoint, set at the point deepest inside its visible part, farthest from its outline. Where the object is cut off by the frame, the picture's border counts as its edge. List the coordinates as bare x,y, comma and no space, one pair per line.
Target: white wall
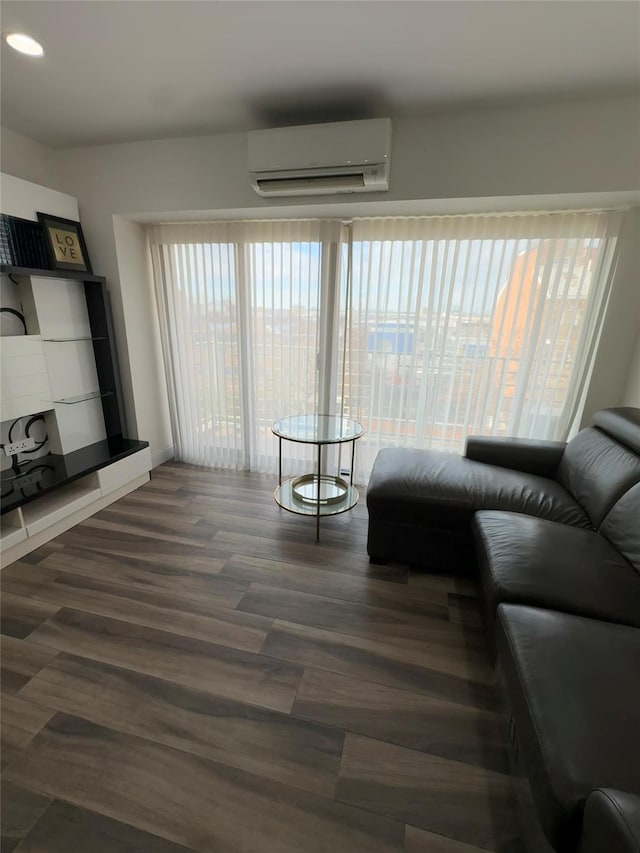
25,158
25,199
146,384
614,364
583,147
632,390
572,154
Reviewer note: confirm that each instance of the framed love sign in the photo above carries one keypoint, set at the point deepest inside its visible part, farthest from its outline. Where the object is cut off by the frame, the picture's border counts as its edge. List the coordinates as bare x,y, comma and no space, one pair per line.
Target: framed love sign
65,243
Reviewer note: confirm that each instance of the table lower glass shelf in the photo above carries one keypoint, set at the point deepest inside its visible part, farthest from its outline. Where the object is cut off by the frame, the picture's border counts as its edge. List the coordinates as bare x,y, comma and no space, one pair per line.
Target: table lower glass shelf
300,495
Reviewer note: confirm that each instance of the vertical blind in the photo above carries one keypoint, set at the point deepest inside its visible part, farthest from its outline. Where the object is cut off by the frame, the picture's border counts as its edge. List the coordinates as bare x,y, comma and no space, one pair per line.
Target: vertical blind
471,325
424,329
241,319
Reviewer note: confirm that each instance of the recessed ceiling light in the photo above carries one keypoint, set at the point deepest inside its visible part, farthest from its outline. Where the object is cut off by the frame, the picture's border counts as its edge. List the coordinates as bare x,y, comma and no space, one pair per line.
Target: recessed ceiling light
24,44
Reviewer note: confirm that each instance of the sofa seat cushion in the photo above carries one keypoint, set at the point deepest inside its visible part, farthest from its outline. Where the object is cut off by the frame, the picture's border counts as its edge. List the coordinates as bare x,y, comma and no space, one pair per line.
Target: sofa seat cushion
435,489
574,689
534,561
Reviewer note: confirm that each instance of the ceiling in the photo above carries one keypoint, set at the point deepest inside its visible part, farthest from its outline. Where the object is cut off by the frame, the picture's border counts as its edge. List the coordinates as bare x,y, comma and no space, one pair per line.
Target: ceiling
122,70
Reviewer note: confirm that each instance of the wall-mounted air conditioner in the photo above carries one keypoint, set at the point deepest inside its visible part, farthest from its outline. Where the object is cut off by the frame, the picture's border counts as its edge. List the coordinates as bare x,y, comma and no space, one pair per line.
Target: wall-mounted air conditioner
315,159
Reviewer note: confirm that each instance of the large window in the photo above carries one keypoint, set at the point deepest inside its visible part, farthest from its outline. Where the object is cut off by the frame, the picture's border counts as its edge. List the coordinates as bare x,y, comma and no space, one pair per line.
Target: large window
425,329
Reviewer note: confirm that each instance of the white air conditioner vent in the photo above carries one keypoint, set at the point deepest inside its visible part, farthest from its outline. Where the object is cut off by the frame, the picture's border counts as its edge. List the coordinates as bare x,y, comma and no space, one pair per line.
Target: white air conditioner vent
321,159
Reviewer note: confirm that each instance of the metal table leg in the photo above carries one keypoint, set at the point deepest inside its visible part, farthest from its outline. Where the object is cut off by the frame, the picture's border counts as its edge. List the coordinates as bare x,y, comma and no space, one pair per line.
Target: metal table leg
318,498
353,459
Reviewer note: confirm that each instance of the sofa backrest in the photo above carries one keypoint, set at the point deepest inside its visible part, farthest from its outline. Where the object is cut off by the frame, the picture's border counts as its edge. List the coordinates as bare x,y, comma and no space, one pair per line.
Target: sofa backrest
603,461
621,526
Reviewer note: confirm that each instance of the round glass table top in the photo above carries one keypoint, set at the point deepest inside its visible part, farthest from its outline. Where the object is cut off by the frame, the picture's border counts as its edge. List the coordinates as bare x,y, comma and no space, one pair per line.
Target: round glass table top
317,429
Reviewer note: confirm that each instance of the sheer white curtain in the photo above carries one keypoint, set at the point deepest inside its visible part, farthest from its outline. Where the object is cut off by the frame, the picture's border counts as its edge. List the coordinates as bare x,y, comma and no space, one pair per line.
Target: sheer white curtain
470,324
424,329
246,318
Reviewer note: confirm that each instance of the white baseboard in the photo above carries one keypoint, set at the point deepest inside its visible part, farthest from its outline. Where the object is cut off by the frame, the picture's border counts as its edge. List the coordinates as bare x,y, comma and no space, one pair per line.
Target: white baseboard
162,456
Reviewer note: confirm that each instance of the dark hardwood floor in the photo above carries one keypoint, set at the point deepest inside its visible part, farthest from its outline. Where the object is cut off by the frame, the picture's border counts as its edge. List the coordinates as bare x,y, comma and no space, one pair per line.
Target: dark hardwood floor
189,671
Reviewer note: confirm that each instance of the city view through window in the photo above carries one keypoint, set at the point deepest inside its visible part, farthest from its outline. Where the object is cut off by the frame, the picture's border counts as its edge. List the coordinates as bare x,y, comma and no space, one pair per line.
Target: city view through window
492,352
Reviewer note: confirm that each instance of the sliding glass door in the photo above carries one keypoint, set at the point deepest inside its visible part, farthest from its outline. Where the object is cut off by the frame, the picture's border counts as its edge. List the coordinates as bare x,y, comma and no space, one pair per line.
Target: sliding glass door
424,329
461,325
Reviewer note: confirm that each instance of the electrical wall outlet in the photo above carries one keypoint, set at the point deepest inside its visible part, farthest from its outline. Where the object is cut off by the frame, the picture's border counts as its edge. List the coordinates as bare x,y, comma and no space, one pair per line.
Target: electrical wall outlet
19,446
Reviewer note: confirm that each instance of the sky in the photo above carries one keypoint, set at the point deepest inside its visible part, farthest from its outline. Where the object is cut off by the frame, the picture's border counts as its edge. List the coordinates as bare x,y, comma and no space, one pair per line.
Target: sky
395,278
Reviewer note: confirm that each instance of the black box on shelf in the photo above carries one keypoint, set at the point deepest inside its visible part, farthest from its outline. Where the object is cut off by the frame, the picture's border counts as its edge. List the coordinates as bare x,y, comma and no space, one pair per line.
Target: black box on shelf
22,243
5,246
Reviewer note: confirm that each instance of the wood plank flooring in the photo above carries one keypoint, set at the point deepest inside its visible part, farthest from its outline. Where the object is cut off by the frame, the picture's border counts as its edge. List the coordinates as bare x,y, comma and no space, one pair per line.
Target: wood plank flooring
188,670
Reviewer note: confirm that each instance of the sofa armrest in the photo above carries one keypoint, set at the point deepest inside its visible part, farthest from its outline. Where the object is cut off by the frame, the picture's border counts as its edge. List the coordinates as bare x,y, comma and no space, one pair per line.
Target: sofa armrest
522,454
611,822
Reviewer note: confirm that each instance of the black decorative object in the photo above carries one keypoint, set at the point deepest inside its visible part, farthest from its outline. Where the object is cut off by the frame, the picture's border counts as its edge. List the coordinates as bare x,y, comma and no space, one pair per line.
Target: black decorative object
22,243
40,443
65,243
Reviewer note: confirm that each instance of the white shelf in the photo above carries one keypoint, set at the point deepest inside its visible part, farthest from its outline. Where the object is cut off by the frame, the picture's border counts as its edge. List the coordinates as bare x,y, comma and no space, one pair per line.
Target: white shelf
71,340
49,509
61,307
12,530
117,475
83,398
11,536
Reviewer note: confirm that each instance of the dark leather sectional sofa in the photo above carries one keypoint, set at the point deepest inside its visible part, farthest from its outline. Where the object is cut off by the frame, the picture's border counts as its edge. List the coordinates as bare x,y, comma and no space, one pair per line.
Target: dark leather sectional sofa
552,531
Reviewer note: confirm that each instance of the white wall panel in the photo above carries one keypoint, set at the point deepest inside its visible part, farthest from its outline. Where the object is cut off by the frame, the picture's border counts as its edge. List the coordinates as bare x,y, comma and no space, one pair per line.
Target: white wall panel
80,424
24,199
72,368
61,307
24,386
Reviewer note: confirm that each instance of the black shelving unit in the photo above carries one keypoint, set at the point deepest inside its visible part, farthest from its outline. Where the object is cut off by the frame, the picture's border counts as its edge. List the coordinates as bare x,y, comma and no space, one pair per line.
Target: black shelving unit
47,473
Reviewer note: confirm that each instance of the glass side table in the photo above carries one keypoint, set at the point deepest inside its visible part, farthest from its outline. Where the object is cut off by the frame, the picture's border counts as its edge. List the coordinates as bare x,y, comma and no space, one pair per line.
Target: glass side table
317,494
